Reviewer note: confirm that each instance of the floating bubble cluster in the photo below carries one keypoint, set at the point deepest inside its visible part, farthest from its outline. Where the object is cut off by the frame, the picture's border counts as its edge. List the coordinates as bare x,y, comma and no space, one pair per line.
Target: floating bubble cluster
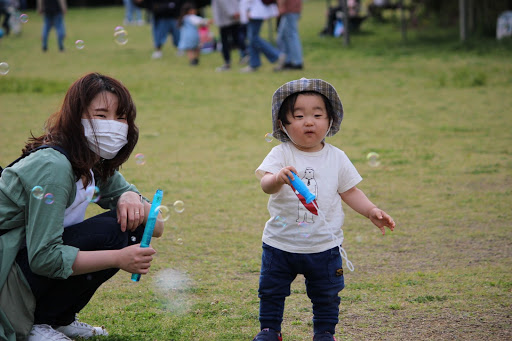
120,35
304,229
179,206
140,159
373,159
165,213
281,221
37,192
4,68
173,288
24,18
48,199
92,193
79,44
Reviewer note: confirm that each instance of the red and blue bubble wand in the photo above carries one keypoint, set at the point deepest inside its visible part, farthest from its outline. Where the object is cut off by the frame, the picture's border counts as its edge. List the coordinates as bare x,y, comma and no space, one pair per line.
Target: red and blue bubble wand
301,188
150,224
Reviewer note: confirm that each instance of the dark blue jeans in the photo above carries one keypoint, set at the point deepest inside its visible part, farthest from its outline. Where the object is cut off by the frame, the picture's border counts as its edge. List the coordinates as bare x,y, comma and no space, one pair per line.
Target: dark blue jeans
57,300
57,21
324,280
230,36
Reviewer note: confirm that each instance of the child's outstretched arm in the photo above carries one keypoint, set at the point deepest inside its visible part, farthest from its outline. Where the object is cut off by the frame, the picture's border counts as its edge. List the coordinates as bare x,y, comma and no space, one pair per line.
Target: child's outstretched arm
360,203
271,183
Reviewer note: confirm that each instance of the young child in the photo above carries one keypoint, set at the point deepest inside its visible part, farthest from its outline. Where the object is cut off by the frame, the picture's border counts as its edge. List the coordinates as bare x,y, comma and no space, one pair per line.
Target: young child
189,33
298,238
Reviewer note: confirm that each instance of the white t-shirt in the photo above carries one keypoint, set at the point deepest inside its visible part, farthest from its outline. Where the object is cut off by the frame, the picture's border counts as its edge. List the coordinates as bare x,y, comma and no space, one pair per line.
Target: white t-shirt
75,213
294,228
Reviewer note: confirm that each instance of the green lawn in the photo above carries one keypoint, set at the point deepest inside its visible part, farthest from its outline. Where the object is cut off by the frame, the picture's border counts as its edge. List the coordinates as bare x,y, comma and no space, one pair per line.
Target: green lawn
437,112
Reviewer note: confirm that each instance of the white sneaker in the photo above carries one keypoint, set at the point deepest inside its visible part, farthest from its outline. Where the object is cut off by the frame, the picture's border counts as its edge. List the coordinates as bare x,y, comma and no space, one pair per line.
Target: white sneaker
81,329
281,60
248,69
43,332
225,67
156,55
244,60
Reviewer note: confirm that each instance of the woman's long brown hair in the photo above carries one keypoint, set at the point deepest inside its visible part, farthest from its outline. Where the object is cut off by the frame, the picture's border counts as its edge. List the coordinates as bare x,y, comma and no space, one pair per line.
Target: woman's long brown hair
64,127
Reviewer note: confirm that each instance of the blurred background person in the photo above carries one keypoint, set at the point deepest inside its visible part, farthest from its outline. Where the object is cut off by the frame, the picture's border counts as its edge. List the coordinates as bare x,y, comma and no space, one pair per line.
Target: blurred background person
226,15
288,39
53,12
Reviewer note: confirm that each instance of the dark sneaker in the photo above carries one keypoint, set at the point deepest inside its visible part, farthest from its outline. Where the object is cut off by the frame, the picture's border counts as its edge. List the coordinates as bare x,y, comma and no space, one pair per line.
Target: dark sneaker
324,337
293,67
268,334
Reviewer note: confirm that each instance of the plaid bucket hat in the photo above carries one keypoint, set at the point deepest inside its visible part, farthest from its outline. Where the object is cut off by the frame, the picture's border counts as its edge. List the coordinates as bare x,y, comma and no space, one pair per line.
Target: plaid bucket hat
300,85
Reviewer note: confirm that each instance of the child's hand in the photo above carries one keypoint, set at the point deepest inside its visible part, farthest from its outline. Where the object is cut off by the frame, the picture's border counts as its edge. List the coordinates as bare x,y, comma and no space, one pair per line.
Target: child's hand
284,173
381,219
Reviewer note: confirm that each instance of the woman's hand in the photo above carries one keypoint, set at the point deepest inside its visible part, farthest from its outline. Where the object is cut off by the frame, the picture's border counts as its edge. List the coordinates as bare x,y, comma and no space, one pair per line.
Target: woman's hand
135,259
130,211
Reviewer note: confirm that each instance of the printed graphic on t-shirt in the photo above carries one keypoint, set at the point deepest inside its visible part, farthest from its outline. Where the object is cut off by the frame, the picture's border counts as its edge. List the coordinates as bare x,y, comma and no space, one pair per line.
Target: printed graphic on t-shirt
305,212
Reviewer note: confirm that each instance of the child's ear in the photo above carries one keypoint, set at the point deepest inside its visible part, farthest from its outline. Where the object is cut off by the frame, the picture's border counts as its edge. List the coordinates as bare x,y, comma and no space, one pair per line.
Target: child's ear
280,125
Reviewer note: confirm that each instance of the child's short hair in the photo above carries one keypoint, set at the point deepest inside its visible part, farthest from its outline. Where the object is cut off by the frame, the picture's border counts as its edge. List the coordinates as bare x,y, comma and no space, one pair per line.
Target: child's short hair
282,102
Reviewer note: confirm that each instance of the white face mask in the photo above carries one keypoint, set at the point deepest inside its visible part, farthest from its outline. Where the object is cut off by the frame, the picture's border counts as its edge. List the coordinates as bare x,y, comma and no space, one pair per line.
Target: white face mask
107,138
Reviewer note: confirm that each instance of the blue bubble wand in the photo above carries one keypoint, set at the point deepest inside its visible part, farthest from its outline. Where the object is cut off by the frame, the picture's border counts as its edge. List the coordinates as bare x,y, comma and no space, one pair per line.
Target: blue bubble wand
150,224
302,188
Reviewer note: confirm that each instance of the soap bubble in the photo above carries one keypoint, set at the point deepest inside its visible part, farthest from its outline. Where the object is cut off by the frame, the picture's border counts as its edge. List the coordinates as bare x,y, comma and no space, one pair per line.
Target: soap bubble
179,241
133,239
269,137
37,192
48,199
304,229
140,159
92,193
373,159
4,68
121,37
79,44
179,206
24,18
173,288
119,28
165,213
280,221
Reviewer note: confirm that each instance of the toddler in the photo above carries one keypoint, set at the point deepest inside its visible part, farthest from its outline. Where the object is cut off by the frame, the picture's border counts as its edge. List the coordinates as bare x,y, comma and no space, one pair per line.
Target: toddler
189,33
300,237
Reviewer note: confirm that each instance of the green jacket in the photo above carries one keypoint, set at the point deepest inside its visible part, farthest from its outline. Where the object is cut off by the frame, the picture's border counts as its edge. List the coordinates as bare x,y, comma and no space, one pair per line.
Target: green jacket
40,224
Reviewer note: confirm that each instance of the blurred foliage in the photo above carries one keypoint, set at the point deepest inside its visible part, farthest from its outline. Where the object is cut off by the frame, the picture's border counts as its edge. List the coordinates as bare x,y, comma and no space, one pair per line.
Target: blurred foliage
481,15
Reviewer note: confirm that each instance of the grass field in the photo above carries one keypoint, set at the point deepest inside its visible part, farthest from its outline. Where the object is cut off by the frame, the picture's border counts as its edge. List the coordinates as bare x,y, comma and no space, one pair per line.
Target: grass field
437,112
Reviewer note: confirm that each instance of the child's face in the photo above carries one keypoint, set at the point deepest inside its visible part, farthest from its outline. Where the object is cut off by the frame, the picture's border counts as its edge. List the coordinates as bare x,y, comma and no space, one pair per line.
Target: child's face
309,123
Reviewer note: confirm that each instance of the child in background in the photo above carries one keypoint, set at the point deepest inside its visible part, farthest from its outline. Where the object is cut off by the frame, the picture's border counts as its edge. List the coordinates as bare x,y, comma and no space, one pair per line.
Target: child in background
189,33
53,11
304,112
